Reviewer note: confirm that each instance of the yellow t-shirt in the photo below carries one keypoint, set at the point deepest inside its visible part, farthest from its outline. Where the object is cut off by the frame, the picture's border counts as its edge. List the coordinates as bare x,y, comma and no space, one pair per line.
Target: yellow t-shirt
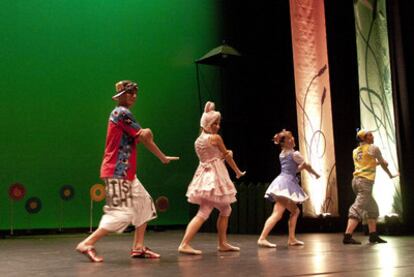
365,160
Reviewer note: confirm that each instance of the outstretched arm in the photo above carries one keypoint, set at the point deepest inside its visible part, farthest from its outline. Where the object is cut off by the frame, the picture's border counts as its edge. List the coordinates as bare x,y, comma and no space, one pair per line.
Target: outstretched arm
228,155
376,152
384,164
309,168
298,158
147,138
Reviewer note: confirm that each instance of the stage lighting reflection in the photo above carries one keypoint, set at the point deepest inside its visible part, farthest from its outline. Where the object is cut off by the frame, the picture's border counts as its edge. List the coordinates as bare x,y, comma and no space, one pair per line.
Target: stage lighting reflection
387,259
319,262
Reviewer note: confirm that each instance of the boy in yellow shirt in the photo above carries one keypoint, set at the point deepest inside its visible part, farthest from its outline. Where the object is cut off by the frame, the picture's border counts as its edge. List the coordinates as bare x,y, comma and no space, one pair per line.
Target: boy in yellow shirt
366,158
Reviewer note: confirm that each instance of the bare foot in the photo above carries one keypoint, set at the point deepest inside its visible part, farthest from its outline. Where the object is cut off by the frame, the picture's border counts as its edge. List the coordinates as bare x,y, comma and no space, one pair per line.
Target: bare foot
295,242
187,249
226,247
266,243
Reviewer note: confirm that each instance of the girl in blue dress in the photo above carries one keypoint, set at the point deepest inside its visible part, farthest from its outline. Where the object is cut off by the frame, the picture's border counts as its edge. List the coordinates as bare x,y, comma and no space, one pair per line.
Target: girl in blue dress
285,190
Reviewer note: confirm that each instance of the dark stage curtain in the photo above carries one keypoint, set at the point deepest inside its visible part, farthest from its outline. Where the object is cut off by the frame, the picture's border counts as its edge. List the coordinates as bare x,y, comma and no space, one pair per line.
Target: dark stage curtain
402,65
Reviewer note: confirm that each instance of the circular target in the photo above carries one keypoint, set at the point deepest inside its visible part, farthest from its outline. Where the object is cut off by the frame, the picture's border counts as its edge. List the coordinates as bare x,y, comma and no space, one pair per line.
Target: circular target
33,205
97,192
162,203
17,191
67,192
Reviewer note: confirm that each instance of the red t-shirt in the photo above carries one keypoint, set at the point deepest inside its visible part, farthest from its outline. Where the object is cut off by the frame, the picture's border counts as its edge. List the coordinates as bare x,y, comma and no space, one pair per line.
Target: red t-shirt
119,159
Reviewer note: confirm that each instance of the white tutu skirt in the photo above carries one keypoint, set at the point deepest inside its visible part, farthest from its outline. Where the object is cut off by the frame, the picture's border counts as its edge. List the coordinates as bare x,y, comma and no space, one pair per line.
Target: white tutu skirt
286,186
212,183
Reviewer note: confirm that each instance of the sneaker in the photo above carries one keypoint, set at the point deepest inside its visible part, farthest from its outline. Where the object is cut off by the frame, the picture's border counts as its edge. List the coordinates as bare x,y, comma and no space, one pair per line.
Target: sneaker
349,240
144,253
374,238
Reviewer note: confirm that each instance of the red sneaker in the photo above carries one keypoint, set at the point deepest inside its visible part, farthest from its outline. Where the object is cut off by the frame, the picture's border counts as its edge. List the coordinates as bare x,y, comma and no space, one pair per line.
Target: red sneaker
144,253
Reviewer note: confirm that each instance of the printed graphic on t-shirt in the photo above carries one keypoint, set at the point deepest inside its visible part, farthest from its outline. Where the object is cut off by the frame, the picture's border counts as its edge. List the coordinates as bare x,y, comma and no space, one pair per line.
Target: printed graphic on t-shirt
119,159
124,153
121,114
358,156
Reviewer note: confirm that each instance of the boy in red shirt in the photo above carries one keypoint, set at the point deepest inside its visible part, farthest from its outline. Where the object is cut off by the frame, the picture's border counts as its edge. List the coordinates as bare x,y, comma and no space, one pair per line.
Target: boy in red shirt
127,201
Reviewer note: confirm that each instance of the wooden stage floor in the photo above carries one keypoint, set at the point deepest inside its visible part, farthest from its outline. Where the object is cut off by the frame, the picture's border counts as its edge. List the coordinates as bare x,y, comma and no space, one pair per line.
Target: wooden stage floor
322,255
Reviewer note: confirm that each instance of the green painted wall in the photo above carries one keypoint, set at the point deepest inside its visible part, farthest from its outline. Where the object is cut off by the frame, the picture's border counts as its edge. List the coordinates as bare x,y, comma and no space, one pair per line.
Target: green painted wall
59,61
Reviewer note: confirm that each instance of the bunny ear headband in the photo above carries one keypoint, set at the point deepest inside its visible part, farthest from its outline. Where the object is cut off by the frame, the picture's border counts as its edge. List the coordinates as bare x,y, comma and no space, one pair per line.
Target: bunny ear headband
209,116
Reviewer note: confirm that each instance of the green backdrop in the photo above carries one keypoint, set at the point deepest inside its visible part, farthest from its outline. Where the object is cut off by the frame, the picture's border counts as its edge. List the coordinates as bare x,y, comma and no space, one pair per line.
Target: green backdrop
59,61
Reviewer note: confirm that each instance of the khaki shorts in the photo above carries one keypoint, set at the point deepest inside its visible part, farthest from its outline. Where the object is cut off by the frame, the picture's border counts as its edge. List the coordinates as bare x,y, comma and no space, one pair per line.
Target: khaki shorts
365,205
127,202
